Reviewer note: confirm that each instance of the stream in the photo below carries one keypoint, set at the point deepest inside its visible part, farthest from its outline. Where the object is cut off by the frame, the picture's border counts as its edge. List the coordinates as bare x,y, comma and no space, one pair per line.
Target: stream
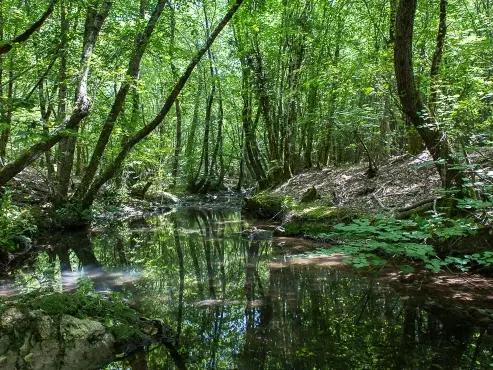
236,301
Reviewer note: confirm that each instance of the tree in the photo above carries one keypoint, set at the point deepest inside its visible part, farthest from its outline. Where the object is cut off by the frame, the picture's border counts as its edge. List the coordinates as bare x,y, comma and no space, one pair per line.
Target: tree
423,120
5,47
88,198
96,15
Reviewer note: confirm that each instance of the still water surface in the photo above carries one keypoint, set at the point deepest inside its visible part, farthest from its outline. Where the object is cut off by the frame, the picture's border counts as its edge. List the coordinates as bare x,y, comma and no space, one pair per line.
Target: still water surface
238,303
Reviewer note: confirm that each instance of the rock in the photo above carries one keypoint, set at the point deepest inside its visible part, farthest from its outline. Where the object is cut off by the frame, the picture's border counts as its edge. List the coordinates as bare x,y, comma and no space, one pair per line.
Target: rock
266,206
87,344
257,234
162,197
40,342
310,195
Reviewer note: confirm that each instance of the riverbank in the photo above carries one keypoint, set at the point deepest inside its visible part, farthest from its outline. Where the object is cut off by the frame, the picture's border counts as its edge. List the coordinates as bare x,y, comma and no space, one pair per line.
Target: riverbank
399,215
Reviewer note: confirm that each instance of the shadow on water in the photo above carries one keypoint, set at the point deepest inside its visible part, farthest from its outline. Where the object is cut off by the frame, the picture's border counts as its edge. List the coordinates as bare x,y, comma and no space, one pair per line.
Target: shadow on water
237,303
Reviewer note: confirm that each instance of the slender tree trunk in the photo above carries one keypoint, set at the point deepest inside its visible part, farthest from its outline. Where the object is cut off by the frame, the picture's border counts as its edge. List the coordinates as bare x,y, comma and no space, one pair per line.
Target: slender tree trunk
327,142
207,130
242,163
3,117
204,184
251,147
45,116
309,125
133,70
151,126
178,144
433,135
437,56
190,145
64,147
5,132
94,22
178,139
257,64
220,142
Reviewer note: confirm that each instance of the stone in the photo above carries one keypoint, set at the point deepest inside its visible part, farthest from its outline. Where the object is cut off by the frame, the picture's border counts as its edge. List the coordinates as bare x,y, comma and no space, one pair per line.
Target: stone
310,195
87,343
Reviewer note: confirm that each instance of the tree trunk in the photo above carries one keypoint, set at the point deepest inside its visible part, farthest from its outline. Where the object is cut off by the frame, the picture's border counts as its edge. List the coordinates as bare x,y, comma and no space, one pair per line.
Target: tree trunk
151,126
190,145
5,132
3,117
220,142
67,142
429,129
437,56
93,25
178,138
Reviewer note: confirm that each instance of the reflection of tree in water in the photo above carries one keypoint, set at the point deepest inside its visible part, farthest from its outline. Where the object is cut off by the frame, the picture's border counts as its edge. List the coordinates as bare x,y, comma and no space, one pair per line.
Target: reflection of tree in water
232,305
88,265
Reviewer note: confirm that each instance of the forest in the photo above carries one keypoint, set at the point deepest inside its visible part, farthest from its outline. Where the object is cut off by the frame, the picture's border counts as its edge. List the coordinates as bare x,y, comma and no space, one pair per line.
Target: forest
332,131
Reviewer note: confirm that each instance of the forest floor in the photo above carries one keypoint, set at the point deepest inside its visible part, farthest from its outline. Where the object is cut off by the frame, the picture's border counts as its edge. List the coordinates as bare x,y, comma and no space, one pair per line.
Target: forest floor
404,180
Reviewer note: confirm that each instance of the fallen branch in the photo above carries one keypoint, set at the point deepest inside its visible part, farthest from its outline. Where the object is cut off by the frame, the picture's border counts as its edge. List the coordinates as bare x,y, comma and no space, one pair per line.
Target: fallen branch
403,212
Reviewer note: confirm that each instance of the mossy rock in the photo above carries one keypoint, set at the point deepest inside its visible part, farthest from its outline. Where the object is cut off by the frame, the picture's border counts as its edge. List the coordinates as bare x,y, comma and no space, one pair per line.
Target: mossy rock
267,205
320,212
310,195
304,229
317,218
72,331
121,321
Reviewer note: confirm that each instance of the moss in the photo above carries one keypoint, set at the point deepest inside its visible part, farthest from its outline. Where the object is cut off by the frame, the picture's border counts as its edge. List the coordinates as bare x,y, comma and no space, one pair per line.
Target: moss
300,218
308,228
121,320
320,212
268,205
317,218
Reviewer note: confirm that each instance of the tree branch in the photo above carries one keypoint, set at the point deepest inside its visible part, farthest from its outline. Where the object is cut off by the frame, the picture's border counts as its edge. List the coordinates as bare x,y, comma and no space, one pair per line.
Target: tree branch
151,126
5,48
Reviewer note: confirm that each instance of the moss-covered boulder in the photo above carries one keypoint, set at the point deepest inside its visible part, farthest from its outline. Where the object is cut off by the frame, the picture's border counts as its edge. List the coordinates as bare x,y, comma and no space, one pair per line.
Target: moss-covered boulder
320,212
68,331
311,216
35,340
316,218
267,205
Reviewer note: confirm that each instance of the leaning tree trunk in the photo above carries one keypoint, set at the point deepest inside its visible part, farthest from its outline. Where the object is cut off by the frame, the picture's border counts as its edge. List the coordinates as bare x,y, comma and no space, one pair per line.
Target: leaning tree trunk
6,47
133,70
94,22
429,129
145,131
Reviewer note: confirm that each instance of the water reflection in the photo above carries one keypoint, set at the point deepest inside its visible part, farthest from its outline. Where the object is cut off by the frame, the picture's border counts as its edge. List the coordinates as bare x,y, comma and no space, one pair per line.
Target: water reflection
235,303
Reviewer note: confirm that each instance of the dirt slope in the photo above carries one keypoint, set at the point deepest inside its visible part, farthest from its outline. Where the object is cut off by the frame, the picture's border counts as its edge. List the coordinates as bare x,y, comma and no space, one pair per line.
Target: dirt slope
402,181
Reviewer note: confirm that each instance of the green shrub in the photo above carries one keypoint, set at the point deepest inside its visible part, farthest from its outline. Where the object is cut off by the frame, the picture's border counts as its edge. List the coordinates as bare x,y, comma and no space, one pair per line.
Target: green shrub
16,224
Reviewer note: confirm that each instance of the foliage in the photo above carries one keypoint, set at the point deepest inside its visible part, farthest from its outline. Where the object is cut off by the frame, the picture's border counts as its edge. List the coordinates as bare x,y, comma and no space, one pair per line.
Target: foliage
375,242
16,224
315,77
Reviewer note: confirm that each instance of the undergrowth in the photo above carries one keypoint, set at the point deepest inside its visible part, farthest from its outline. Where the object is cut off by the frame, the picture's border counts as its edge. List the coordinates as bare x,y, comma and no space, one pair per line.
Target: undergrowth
16,224
374,242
